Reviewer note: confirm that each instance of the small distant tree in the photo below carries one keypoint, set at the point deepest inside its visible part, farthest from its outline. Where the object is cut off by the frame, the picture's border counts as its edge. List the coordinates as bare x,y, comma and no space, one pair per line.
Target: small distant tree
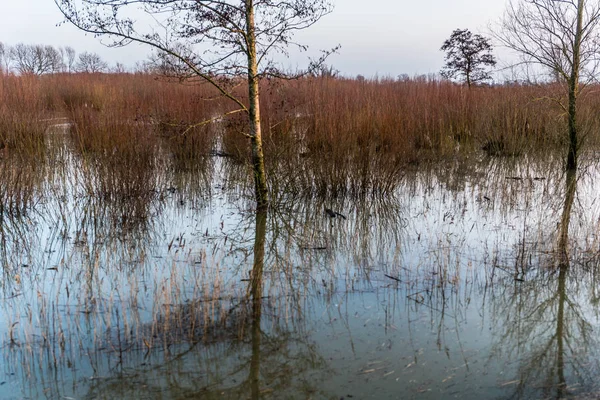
2,55
69,54
6,59
326,71
468,57
36,59
91,63
119,68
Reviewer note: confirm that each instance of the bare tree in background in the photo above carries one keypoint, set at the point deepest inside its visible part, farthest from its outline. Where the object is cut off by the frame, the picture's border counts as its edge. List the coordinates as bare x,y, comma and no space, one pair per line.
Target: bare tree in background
36,59
561,36
91,63
467,56
70,55
163,63
2,55
54,57
214,39
119,68
326,71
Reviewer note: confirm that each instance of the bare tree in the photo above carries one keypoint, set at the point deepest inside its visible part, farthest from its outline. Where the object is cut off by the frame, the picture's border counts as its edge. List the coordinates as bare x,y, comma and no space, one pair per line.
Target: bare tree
70,55
467,56
91,63
36,59
119,68
163,63
326,71
2,55
214,39
561,36
54,57
18,54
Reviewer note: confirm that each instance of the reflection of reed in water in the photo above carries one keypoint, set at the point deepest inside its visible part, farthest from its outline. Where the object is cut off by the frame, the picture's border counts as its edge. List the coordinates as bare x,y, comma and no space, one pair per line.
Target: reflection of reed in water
22,184
543,325
249,346
199,309
24,191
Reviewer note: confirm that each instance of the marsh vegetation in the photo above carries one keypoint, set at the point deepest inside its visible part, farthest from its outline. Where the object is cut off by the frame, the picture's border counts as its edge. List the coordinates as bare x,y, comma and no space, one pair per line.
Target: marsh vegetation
134,262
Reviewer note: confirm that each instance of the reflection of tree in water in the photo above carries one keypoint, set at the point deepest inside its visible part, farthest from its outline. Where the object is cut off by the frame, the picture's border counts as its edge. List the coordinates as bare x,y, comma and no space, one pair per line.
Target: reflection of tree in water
248,334
256,293
255,354
185,352
541,324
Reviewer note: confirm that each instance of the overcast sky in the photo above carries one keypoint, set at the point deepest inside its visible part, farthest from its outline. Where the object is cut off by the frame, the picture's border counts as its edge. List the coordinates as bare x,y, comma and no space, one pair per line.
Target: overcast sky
384,37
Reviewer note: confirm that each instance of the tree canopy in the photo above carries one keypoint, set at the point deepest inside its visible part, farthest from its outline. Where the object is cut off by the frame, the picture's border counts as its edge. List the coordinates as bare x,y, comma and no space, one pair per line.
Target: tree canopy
468,57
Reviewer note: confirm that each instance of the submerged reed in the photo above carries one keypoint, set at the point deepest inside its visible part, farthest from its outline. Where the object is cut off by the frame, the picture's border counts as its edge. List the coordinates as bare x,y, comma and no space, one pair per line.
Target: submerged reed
322,136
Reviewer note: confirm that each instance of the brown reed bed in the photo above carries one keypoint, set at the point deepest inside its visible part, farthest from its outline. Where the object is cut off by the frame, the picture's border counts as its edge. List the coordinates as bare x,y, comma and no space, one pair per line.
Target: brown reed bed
132,126
342,137
23,149
22,117
322,136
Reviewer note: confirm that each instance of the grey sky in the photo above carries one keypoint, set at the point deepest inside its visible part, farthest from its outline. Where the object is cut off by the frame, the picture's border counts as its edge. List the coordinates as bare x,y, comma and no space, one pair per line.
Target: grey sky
385,37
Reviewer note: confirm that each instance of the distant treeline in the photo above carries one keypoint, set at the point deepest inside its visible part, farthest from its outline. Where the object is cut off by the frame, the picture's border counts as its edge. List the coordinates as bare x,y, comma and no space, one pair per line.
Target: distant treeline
37,59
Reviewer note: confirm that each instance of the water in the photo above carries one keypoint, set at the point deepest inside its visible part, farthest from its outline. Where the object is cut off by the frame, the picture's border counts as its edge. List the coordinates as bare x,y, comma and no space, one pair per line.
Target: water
166,284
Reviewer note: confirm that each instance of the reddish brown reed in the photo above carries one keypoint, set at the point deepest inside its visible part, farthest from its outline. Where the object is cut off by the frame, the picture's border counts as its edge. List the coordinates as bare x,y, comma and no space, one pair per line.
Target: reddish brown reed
321,135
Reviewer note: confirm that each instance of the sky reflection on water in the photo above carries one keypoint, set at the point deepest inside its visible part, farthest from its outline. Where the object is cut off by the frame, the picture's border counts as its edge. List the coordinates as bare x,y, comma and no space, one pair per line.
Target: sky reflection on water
458,287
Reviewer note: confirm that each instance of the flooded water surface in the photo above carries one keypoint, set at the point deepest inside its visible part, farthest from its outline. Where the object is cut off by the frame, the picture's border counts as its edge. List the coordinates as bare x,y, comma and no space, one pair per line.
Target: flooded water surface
473,279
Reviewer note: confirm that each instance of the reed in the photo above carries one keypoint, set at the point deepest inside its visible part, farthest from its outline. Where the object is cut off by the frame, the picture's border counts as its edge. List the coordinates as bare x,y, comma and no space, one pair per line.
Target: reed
22,117
346,137
322,136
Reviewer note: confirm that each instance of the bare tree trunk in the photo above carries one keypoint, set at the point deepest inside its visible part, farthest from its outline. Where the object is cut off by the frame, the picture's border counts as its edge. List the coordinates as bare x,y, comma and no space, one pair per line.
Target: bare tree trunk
563,238
468,75
258,164
574,89
572,153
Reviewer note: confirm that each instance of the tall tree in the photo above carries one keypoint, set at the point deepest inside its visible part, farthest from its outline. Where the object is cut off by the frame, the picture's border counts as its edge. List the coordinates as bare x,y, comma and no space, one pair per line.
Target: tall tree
563,37
213,39
468,56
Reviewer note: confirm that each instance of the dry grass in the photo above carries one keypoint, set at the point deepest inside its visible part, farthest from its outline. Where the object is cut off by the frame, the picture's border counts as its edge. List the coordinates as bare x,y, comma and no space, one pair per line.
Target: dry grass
22,122
322,136
337,137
